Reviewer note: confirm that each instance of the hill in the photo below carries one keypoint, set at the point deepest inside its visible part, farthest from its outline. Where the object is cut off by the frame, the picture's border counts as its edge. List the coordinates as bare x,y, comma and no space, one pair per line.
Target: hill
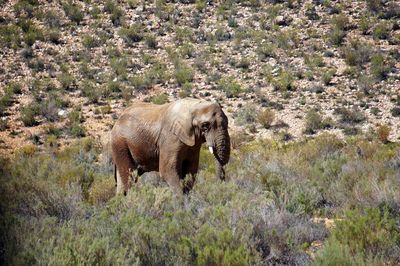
69,68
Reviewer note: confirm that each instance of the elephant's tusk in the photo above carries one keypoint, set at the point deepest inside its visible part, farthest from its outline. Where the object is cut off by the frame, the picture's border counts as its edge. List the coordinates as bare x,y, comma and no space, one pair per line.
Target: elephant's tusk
211,150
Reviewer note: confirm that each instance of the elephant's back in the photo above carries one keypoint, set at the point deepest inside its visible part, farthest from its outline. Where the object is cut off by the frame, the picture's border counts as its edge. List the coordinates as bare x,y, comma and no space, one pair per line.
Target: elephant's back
146,112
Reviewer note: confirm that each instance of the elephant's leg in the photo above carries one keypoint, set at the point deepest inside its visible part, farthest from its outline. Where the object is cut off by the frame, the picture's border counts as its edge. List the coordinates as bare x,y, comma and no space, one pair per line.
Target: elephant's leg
169,170
125,166
191,168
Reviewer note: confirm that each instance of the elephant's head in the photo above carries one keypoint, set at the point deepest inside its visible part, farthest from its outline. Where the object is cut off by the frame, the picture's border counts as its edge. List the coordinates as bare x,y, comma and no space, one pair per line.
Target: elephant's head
199,121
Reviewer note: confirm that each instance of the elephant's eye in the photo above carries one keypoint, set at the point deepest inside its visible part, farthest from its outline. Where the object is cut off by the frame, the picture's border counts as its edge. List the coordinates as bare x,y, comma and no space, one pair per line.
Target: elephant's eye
205,126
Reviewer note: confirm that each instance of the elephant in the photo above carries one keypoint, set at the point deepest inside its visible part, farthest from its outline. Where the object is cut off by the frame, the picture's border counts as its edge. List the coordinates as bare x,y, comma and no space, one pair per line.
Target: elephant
167,138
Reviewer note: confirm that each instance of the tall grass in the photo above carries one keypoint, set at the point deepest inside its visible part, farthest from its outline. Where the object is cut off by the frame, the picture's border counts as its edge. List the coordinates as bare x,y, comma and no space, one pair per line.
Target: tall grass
58,207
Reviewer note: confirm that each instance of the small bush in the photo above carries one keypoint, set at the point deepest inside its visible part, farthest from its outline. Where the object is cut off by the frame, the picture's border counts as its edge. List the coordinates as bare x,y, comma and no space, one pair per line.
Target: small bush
159,99
186,90
73,11
284,82
366,83
349,116
313,122
67,80
49,110
368,236
89,41
28,115
340,21
336,36
90,91
327,76
244,63
230,86
246,115
151,41
32,35
378,67
357,54
265,50
53,36
116,13
383,132
266,118
132,34
10,36
381,31
183,73
27,6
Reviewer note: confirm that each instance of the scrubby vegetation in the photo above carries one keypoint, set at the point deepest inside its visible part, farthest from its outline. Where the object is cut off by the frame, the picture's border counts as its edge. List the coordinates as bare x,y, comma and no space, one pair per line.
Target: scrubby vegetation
288,70
58,207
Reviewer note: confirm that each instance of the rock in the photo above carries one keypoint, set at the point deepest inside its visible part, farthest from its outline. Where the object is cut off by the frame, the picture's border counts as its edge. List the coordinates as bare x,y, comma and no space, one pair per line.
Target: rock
283,21
62,112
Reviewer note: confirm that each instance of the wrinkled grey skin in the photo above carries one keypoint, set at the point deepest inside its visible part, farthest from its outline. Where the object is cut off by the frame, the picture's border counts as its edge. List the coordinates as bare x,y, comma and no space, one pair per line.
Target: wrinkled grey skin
167,138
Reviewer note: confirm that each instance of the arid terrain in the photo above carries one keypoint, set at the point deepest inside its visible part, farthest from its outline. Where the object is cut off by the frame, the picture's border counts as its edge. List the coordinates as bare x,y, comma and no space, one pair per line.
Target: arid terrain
280,69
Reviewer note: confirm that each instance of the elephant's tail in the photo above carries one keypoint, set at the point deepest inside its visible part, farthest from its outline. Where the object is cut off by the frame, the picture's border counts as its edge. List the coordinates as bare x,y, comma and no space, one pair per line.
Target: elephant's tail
115,174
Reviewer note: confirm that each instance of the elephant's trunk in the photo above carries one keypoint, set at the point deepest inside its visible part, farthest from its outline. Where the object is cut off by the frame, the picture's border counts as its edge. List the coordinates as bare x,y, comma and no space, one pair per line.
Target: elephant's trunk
222,150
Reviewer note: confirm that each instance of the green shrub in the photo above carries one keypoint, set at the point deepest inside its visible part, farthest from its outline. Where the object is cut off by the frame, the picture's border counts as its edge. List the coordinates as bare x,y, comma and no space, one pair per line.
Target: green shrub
284,82
186,90
116,13
73,11
53,36
366,83
349,116
265,50
244,63
183,73
159,99
32,35
154,75
90,91
151,41
357,54
378,67
49,110
313,122
367,236
27,6
28,115
10,36
340,21
132,34
314,60
66,80
119,65
5,101
327,76
230,86
183,35
381,31
89,41
336,36
187,50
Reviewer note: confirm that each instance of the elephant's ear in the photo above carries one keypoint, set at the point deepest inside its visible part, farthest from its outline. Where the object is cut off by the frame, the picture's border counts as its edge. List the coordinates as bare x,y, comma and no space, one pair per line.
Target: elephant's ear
180,122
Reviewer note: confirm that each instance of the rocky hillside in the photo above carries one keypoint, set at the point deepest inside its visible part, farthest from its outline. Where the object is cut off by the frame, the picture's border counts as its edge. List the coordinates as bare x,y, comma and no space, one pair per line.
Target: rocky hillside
281,69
